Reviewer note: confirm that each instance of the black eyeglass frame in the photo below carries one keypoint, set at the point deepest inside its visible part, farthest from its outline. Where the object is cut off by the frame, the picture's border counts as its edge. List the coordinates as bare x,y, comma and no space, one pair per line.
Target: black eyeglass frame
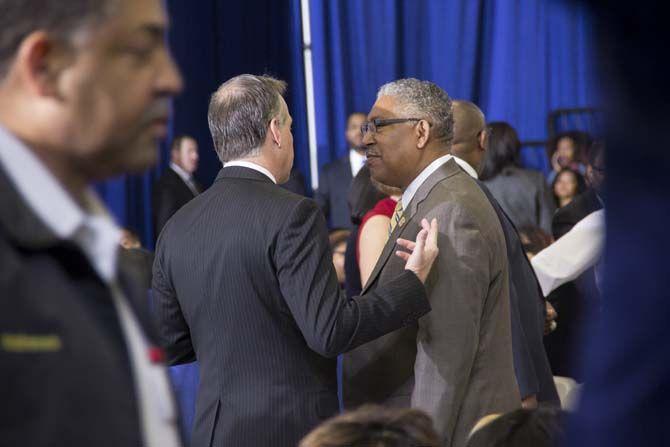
372,126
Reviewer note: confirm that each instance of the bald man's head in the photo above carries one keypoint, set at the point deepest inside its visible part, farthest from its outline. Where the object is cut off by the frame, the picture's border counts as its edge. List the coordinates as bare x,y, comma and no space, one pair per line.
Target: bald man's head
469,133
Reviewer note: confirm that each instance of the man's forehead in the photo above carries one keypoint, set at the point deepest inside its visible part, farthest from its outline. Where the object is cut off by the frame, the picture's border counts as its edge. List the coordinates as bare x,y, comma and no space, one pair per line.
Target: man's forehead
384,106
139,16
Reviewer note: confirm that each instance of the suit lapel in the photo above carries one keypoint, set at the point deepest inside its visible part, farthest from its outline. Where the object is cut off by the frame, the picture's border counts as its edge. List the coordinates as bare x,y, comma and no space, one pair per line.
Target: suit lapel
446,170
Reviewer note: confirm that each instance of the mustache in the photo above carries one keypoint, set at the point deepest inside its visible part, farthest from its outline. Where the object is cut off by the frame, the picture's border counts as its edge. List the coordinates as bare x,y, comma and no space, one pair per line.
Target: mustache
370,151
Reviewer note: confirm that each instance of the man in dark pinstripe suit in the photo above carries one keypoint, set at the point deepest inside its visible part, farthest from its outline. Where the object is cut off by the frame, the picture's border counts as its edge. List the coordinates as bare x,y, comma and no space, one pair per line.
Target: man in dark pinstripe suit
244,283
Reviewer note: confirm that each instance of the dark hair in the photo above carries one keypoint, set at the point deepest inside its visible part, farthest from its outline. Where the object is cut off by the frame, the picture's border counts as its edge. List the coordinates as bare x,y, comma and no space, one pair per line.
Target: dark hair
596,150
363,195
581,183
534,239
581,140
337,236
375,426
521,428
176,141
240,112
19,18
503,150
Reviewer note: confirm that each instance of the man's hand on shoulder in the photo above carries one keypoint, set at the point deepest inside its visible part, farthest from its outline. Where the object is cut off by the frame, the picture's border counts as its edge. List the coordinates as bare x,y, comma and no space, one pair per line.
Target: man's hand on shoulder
421,254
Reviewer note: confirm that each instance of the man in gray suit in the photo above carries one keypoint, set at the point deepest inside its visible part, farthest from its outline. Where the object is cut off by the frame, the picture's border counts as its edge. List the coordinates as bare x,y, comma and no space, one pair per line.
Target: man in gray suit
456,362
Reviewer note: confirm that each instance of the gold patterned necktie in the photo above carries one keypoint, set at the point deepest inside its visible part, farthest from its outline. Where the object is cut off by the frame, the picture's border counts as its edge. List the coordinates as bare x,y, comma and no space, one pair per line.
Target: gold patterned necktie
396,219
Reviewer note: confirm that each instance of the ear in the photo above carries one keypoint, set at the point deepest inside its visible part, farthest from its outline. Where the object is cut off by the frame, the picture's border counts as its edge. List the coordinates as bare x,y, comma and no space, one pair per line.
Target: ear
39,61
483,140
422,130
275,131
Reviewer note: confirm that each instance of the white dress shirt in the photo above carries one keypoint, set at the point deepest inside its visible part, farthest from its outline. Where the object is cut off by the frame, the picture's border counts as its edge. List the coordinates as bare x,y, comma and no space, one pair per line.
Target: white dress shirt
571,255
93,230
466,167
409,192
254,166
357,161
186,177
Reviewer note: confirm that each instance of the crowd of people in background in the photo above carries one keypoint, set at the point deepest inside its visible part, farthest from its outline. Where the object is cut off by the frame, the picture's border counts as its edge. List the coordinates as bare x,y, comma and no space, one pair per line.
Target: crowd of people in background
453,283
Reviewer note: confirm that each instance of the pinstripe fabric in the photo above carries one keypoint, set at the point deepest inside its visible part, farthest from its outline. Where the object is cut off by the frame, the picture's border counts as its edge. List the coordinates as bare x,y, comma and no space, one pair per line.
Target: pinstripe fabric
243,281
455,363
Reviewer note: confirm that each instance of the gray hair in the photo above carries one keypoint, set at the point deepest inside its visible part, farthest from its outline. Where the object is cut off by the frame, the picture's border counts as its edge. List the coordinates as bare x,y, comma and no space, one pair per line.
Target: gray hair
61,19
240,112
425,100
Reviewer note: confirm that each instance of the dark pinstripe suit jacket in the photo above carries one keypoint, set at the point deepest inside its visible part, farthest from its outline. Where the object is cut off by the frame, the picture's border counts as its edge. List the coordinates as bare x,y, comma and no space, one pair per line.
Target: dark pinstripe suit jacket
244,283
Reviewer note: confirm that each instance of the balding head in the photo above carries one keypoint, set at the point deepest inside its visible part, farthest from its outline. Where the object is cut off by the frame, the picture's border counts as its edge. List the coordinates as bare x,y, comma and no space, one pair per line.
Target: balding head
239,114
469,133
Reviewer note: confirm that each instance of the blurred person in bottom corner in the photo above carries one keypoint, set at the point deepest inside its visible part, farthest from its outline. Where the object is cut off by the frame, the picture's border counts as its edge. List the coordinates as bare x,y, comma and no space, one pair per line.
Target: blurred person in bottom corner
375,426
272,306
84,96
542,427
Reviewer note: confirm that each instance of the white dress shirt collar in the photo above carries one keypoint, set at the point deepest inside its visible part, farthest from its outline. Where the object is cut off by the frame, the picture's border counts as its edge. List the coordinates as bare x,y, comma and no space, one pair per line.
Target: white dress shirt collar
252,165
92,228
356,161
466,167
185,176
409,192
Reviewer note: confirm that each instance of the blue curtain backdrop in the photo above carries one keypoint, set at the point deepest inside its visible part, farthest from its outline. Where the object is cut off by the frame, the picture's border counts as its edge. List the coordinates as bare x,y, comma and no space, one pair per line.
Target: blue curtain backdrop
517,59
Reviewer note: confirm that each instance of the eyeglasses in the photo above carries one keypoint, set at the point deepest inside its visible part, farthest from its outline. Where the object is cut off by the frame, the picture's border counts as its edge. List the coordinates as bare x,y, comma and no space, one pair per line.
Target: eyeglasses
372,126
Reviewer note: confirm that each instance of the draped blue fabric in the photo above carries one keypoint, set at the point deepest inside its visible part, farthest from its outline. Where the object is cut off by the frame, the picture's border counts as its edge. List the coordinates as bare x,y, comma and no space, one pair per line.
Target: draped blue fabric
517,59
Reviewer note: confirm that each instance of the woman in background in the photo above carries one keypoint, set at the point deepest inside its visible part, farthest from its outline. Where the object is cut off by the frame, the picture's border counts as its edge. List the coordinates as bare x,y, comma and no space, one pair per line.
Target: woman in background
567,185
568,150
374,230
522,193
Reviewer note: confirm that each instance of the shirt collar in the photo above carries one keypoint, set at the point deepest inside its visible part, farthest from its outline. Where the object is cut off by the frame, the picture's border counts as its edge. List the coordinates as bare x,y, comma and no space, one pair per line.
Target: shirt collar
409,192
251,165
185,176
356,161
466,167
92,229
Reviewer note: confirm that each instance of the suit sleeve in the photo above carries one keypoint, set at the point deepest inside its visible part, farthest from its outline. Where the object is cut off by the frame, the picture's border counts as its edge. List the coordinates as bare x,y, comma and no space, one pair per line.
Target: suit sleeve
330,323
448,337
173,332
526,376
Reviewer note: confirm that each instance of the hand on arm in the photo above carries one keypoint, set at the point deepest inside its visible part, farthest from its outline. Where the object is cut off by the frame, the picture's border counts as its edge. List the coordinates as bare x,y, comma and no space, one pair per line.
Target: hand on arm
421,254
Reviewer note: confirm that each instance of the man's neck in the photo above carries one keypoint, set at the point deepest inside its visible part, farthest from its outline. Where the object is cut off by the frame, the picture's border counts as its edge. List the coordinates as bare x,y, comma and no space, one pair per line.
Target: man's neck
63,169
422,165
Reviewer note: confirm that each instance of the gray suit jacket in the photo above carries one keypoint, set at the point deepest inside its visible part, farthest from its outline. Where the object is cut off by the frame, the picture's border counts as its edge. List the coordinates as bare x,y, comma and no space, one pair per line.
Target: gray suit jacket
456,362
524,196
